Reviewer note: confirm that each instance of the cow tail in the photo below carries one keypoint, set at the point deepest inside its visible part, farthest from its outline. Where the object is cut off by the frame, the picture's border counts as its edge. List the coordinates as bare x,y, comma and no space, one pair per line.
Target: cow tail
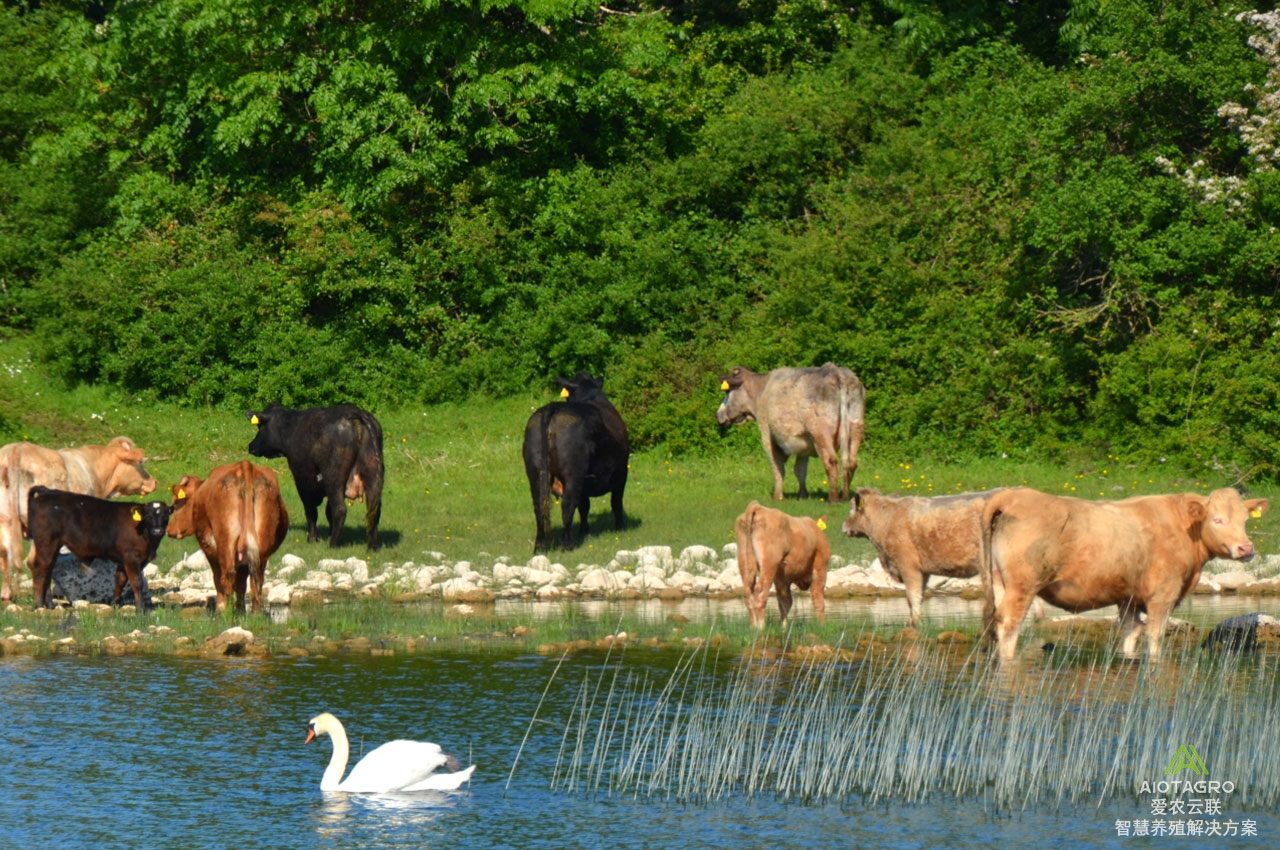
748,557
851,425
246,542
370,466
986,568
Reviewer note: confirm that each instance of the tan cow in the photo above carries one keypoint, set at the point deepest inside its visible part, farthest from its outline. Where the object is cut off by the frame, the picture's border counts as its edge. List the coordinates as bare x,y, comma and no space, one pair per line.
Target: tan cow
917,537
1143,554
779,550
801,413
239,519
103,471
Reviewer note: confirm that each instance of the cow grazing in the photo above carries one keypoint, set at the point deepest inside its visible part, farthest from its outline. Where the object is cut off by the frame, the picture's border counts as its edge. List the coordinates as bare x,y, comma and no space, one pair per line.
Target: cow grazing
126,533
1143,554
779,550
239,519
576,449
333,453
801,413
918,537
104,471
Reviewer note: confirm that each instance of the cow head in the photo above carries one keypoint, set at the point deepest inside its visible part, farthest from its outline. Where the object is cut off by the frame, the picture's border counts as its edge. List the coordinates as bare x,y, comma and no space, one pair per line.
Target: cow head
581,387
738,406
859,524
124,473
180,523
1223,517
152,518
269,441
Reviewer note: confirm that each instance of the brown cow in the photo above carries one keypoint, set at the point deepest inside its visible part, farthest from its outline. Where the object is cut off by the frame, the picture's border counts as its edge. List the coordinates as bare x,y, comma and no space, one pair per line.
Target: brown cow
1143,553
801,413
102,471
777,549
239,519
918,537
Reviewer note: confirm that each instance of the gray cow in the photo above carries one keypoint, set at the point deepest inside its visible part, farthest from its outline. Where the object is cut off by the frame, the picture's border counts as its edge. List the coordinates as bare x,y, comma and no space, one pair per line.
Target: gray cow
801,413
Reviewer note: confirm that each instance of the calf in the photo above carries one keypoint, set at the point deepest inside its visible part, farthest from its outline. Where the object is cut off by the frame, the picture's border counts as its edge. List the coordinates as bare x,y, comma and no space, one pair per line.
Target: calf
126,533
1143,554
105,471
918,537
780,550
239,519
575,449
333,453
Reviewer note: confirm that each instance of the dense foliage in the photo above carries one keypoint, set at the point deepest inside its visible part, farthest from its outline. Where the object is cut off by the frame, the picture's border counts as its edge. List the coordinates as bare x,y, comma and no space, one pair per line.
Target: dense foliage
1027,226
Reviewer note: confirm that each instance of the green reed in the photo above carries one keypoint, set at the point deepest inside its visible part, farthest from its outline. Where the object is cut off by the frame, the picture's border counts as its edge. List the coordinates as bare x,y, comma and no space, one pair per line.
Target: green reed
915,722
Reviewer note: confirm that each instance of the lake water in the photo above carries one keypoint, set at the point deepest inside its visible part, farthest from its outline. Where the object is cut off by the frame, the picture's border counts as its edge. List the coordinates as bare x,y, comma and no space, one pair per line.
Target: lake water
103,752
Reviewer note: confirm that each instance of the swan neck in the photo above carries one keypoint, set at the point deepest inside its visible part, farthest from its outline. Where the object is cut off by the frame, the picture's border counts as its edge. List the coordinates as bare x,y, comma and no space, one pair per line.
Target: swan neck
338,761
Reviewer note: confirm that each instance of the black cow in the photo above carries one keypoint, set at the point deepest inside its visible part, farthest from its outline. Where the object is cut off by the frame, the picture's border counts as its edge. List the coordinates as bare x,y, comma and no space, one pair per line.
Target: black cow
127,533
334,453
576,449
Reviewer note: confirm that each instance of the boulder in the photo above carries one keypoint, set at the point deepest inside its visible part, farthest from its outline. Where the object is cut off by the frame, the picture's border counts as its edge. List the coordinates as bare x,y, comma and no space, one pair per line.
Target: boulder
94,582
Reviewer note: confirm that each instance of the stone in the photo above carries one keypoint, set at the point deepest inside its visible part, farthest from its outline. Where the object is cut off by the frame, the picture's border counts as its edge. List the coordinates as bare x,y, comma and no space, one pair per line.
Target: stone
234,641
1235,580
94,582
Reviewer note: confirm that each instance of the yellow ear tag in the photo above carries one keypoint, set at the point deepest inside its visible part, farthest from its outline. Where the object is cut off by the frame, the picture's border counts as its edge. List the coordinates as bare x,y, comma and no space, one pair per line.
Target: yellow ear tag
724,385
822,524
137,517
1255,513
253,420
564,393
182,494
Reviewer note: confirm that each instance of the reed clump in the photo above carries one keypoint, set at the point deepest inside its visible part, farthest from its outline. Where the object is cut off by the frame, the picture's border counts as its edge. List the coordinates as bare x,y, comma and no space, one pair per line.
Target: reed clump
918,721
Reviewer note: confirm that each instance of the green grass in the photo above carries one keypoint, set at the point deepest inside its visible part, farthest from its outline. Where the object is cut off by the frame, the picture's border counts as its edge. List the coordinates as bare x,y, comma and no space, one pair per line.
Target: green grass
456,482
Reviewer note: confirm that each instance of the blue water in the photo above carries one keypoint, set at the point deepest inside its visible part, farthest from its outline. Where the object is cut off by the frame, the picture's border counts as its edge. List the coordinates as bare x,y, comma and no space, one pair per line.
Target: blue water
159,752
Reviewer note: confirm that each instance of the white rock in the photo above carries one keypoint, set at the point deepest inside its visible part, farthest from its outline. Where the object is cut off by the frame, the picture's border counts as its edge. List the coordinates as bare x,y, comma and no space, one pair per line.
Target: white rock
647,581
279,594
195,561
359,569
287,570
200,579
463,569
537,578
503,574
598,579
293,562
731,577
331,565
691,556
559,574
681,579
549,591
1234,580
150,572
539,562
626,558
729,550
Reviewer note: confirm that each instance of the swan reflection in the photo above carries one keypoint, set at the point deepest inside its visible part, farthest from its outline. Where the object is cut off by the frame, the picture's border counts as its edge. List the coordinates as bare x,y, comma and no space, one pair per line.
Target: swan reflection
340,814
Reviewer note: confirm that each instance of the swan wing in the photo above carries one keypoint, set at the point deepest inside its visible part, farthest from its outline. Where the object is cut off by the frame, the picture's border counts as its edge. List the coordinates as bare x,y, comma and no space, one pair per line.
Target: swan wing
394,766
443,781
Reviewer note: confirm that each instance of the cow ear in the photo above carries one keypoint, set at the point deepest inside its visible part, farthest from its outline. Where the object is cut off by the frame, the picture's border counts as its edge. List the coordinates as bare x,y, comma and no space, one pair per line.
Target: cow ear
1257,507
1196,509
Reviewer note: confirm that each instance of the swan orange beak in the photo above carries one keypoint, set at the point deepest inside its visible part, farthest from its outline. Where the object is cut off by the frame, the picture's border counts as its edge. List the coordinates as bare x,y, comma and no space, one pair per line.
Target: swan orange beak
311,735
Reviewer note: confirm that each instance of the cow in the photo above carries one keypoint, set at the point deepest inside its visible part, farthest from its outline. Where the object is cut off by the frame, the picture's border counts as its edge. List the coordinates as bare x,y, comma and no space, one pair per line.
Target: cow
333,453
779,550
126,533
1143,554
577,449
112,470
801,413
918,537
239,519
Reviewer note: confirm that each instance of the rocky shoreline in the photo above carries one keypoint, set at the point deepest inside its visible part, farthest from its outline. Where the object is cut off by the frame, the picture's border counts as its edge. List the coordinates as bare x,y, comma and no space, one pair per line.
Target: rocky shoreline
648,572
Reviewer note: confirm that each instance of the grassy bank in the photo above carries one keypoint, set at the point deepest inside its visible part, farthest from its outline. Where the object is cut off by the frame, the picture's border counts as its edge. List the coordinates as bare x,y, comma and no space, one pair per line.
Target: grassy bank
456,482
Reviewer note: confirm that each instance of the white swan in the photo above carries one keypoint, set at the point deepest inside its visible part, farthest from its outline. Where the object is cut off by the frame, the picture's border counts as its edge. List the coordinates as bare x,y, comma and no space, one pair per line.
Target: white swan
394,766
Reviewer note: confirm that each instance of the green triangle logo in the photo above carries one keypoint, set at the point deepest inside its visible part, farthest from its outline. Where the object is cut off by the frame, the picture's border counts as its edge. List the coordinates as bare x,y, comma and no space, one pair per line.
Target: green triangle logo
1186,758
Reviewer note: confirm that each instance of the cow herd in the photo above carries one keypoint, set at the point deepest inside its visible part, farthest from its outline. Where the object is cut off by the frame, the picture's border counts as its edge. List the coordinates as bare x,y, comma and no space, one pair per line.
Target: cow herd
62,499
1143,554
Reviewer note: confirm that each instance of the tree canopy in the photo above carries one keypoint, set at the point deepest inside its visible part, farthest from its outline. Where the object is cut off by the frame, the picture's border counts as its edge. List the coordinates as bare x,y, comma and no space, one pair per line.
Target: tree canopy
1026,226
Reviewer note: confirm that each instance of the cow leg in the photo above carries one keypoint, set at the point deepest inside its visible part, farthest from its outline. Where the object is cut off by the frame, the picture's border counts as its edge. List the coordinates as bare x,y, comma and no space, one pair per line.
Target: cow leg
41,570
1157,620
615,502
336,511
568,507
242,579
134,572
802,472
818,588
915,581
850,459
1130,629
825,442
312,512
583,508
257,576
777,458
1008,621
784,596
10,555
